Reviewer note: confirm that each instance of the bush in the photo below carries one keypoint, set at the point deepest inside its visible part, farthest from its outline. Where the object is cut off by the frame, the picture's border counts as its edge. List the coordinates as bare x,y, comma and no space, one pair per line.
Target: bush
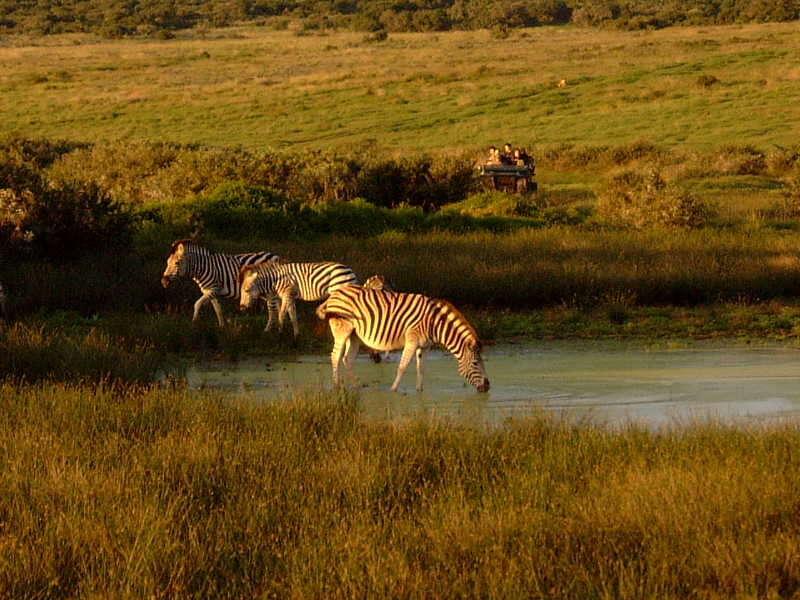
789,206
782,160
738,160
237,209
61,223
706,81
493,203
635,200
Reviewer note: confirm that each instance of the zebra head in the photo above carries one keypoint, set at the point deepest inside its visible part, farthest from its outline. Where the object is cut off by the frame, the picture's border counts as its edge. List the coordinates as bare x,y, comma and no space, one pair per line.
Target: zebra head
177,261
249,288
470,366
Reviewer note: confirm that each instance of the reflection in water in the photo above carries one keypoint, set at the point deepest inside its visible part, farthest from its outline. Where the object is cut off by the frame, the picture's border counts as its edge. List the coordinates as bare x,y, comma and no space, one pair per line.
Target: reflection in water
612,383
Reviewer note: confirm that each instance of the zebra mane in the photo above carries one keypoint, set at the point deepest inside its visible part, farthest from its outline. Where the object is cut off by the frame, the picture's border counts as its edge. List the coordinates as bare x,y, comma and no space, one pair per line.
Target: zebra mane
448,307
245,270
177,243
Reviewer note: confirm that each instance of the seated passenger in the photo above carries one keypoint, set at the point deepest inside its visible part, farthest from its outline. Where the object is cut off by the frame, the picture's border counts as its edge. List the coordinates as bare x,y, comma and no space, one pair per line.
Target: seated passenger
508,154
527,159
494,156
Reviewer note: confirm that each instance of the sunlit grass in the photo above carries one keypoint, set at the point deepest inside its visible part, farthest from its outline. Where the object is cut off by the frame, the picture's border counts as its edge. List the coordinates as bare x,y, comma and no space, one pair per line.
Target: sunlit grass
110,492
415,91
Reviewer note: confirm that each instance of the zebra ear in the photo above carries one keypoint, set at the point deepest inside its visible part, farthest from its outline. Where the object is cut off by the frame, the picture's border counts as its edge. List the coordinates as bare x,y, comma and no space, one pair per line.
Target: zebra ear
178,250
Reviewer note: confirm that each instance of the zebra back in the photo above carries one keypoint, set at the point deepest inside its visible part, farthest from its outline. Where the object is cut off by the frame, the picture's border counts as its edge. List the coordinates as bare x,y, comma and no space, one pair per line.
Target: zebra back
386,314
313,280
214,271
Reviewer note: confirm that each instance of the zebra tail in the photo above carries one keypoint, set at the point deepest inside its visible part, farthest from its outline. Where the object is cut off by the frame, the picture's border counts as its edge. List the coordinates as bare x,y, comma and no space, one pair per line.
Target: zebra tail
324,314
321,311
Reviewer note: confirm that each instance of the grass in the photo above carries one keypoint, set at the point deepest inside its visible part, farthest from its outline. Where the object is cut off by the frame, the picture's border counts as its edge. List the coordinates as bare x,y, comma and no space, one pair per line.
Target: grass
32,352
265,89
523,270
132,493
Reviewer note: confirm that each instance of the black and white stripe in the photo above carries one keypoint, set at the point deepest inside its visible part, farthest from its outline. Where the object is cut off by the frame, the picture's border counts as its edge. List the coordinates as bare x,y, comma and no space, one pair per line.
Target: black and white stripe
386,320
289,281
216,274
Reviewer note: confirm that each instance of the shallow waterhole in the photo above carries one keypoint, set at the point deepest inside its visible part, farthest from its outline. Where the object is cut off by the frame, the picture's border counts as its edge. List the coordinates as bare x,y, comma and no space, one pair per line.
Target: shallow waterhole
610,383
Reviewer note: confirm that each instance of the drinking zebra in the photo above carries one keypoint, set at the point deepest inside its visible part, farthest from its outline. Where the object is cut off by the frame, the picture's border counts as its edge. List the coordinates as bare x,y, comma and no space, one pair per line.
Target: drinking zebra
216,274
288,281
392,320
378,282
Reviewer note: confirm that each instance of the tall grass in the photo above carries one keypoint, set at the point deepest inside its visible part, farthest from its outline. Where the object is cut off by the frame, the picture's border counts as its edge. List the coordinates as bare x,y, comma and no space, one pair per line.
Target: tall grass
523,269
32,352
111,493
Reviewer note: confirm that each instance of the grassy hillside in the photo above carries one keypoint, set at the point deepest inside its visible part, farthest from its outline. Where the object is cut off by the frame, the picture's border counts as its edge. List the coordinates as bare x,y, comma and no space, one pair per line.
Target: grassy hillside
690,87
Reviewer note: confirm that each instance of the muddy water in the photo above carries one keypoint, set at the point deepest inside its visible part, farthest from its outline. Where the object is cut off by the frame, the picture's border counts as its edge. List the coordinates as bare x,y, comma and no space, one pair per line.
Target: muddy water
609,383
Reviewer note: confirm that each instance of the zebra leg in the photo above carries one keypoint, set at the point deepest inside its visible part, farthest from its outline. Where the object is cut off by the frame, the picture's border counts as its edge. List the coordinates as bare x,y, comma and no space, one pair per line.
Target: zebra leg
201,301
341,331
419,369
293,316
218,309
350,351
272,309
408,354
281,314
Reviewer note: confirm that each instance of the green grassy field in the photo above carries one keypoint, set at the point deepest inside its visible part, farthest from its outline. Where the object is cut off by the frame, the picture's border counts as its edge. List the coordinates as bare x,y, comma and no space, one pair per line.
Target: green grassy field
697,88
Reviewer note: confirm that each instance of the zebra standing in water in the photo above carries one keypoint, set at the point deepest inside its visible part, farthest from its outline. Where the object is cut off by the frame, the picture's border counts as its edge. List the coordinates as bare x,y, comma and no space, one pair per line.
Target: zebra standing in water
378,282
391,320
287,281
217,275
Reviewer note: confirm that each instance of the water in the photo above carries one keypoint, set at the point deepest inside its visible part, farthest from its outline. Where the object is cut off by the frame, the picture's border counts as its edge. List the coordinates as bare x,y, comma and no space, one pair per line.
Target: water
608,383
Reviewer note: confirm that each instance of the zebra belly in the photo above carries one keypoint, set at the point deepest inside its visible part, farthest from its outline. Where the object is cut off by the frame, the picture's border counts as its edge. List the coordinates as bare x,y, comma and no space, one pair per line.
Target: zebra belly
381,343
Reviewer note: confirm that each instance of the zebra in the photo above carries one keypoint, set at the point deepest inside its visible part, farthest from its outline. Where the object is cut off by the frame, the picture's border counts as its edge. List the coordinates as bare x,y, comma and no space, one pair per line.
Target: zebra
216,274
308,281
392,320
378,282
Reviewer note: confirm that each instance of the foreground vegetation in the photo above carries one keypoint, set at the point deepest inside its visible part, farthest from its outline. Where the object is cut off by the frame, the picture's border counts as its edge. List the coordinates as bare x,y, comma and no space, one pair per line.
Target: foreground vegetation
123,492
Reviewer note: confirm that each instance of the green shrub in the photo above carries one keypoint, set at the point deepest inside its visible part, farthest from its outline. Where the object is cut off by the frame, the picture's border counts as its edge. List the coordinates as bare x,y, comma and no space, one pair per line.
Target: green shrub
237,209
738,160
61,222
494,203
782,160
641,200
789,205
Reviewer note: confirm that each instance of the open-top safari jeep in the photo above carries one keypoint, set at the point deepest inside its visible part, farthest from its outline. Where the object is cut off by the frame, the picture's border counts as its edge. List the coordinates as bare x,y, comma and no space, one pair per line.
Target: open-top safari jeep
509,178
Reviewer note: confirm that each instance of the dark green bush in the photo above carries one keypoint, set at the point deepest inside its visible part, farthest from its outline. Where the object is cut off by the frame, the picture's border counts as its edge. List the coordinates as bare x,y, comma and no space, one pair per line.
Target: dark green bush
233,210
61,223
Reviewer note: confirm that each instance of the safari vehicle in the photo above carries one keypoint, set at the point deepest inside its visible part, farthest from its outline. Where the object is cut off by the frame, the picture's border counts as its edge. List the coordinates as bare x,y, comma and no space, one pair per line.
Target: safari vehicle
509,178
